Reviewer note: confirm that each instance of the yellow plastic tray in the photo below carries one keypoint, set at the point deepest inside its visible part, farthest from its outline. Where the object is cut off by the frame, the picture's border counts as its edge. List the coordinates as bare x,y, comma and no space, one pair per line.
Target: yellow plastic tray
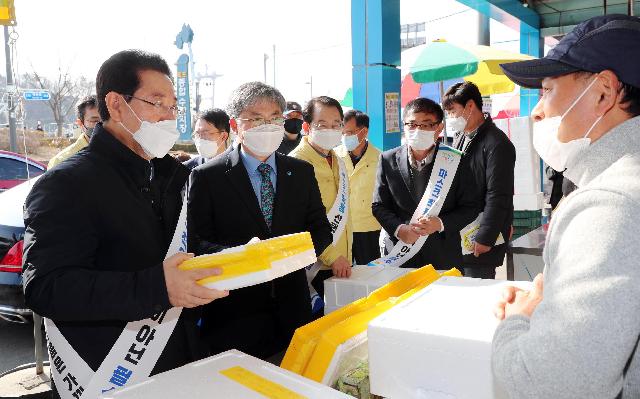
310,357
250,258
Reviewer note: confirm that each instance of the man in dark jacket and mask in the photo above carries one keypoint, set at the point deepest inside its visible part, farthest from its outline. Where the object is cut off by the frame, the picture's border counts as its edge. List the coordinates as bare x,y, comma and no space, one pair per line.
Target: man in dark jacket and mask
107,282
492,157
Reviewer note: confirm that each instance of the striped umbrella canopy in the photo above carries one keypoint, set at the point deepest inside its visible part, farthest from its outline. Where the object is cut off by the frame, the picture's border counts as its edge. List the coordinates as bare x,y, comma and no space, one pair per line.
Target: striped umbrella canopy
442,61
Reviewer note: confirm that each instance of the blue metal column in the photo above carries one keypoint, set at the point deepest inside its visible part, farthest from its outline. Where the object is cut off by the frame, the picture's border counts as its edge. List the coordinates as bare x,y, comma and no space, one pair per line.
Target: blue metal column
525,20
531,44
375,32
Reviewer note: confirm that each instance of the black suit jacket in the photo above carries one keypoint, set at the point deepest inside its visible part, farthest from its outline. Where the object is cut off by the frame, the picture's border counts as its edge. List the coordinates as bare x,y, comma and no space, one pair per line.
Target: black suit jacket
492,158
393,205
97,231
224,212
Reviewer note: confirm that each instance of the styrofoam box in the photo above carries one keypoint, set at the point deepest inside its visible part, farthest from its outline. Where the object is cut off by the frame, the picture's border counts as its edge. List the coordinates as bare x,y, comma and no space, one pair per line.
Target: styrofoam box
437,344
527,167
203,379
528,202
339,292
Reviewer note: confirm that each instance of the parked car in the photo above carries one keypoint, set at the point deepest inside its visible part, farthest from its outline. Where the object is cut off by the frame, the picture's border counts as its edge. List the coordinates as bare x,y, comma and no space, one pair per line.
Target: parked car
16,168
12,305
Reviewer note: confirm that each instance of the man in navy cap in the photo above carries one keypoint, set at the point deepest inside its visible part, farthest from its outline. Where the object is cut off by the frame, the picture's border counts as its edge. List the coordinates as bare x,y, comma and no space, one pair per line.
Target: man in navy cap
578,338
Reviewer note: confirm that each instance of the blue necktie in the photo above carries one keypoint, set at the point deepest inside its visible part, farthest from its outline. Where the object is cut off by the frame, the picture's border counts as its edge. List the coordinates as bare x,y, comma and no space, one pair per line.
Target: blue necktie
267,193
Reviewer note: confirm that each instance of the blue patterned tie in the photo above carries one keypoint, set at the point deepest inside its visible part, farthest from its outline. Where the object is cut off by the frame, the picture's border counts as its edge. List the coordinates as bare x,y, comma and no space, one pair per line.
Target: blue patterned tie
267,193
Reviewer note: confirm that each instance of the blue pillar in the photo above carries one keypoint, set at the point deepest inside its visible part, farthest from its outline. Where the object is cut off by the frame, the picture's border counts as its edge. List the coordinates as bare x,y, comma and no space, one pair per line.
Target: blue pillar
531,44
375,32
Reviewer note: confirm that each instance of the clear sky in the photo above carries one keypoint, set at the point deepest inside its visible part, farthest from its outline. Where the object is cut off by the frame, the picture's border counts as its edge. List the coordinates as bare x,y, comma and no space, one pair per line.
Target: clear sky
312,38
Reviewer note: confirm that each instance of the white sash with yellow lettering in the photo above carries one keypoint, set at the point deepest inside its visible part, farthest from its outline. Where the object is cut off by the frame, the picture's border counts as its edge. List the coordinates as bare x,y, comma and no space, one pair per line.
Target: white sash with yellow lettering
444,170
134,353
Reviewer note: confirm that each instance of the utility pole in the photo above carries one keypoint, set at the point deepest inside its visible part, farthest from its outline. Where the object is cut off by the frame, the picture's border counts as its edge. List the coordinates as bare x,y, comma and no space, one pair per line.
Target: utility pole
11,113
274,65
310,83
266,57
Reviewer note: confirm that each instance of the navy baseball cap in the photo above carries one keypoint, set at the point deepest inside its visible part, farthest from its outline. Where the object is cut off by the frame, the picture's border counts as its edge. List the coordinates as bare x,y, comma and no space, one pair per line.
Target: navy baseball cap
292,106
605,42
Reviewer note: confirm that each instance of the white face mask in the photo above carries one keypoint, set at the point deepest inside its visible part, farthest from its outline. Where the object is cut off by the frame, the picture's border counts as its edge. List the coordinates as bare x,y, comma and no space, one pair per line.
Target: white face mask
545,139
156,139
206,148
456,124
326,139
420,139
263,140
350,142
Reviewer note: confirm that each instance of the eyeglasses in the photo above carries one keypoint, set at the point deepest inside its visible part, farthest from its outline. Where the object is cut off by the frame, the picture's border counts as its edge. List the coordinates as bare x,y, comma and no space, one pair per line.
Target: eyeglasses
174,109
255,122
325,126
352,132
205,134
421,126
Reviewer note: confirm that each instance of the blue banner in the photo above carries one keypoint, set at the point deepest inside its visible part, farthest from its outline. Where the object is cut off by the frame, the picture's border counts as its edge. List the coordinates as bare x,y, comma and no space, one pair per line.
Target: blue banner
182,89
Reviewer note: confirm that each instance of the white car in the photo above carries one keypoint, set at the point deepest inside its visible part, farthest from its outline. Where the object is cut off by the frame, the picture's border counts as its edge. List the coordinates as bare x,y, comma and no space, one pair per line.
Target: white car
12,305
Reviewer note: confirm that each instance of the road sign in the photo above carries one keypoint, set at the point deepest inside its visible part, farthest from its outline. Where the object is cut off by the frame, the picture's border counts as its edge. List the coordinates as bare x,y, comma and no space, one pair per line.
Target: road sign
36,95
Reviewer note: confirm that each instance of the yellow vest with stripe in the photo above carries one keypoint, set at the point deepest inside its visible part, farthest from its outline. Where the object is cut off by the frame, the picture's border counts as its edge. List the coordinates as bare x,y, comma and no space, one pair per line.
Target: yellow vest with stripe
328,179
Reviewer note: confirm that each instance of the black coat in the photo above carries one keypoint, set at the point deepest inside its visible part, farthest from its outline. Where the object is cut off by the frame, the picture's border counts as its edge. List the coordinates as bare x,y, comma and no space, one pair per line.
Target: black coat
492,158
194,162
224,212
97,232
393,205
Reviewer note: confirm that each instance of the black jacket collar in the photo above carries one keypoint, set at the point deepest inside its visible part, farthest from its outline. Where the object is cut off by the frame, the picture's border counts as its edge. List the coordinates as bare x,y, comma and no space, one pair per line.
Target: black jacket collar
172,172
119,154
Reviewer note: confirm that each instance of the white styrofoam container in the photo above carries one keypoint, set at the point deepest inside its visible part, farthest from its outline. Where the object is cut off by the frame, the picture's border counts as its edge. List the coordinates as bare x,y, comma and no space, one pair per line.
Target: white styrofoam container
278,269
203,379
339,292
528,202
527,167
437,344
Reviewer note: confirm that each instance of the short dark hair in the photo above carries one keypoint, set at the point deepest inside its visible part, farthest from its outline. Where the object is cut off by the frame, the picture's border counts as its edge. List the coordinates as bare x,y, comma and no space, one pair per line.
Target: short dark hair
362,119
121,74
87,102
461,93
217,118
309,109
630,98
424,105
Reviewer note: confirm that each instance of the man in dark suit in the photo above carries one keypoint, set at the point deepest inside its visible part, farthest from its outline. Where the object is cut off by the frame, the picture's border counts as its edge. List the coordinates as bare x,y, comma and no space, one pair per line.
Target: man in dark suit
252,191
403,175
492,158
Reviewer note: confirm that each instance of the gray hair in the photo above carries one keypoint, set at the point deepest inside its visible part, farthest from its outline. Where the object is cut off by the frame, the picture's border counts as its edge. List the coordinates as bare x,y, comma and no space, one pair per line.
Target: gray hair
250,93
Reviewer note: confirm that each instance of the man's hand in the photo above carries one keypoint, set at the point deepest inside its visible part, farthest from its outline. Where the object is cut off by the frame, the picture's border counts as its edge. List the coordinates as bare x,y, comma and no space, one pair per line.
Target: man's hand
517,301
427,225
182,287
341,268
479,249
408,234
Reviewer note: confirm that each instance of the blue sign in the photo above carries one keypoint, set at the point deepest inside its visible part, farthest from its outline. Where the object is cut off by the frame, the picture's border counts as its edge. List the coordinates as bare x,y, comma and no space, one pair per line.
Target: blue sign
184,105
36,95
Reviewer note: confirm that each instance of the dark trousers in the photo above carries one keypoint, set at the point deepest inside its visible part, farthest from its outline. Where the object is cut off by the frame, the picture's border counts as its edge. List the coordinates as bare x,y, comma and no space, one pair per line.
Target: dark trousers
366,247
480,271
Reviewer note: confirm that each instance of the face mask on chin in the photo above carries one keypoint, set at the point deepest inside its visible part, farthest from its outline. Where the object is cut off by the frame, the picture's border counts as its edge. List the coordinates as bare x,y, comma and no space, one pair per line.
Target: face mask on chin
545,138
155,138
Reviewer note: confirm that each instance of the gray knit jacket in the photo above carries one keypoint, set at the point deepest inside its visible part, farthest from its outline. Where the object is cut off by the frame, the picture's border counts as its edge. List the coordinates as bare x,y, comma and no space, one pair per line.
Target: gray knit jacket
582,340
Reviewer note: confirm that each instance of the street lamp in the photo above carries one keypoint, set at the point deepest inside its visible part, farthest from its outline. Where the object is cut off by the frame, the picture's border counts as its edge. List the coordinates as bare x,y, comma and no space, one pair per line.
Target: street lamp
310,83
